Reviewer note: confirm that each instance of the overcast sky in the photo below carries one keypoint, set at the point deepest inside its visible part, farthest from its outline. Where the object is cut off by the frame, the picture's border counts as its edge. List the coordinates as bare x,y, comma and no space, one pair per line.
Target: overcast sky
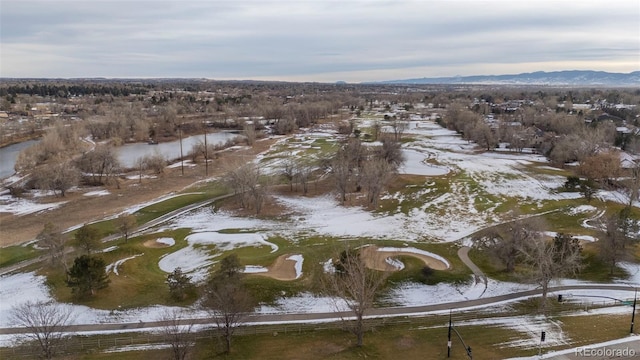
315,40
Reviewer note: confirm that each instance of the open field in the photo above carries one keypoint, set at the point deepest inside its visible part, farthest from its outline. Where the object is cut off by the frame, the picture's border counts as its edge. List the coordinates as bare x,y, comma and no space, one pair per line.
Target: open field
446,192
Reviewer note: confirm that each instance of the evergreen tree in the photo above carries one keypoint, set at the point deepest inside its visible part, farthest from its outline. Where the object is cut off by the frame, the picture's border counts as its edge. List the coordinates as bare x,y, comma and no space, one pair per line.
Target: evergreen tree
87,275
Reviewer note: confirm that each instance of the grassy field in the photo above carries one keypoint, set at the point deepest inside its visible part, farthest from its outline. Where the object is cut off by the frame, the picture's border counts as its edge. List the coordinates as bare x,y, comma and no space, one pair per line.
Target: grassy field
402,338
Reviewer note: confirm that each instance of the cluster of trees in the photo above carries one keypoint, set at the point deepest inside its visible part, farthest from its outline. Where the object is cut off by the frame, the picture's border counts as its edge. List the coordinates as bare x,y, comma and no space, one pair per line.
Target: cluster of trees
471,125
248,184
521,246
356,167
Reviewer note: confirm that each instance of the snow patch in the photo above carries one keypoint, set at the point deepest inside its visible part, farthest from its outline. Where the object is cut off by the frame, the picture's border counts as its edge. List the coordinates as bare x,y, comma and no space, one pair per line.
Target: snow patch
254,269
298,259
114,266
413,250
166,241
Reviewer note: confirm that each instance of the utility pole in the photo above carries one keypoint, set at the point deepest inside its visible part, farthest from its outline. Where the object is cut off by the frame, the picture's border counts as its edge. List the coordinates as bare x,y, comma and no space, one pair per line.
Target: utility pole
206,152
181,156
449,337
633,314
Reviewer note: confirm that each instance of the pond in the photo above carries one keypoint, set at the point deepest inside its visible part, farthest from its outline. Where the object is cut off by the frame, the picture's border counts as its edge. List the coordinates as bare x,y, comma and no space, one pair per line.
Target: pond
9,155
129,153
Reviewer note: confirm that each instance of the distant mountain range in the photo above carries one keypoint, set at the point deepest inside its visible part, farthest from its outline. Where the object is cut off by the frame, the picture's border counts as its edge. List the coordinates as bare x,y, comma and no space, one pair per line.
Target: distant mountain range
561,78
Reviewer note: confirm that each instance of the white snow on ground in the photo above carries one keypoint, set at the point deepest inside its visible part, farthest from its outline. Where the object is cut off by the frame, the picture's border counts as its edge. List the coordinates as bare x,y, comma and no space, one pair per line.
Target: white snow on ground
634,273
137,177
114,265
415,251
415,164
323,215
193,262
19,288
328,267
530,326
205,220
137,348
166,241
585,238
225,242
298,266
254,269
109,249
303,303
582,209
21,206
187,163
498,174
397,264
575,351
97,193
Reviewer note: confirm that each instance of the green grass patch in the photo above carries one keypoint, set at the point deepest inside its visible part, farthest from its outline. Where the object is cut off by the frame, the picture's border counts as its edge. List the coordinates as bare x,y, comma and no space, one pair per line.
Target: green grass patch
596,270
156,210
11,255
140,281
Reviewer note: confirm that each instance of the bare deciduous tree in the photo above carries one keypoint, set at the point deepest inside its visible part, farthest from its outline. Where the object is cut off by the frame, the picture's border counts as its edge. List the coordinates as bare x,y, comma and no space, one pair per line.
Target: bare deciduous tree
376,174
250,132
126,224
46,324
303,171
616,237
52,238
59,177
101,164
287,169
391,152
357,287
247,182
155,163
341,172
227,300
602,167
551,260
178,332
398,127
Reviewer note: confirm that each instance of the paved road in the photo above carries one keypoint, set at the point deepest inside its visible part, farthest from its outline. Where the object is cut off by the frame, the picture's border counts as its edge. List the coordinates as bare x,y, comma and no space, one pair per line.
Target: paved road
479,276
306,317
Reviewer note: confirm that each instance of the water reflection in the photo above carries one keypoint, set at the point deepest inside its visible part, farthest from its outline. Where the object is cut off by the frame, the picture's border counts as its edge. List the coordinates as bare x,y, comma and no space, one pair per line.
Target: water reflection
9,155
129,153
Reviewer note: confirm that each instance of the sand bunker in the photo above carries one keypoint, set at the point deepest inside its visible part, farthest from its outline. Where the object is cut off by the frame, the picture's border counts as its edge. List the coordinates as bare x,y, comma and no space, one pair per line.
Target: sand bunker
159,243
286,268
379,258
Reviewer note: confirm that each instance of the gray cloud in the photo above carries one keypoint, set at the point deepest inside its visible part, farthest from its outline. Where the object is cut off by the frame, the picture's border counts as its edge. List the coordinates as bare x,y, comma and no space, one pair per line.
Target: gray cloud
313,39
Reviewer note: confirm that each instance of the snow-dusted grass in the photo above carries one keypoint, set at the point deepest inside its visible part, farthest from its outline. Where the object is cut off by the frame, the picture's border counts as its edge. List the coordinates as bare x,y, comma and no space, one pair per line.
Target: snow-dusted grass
478,185
21,206
97,193
114,265
193,262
